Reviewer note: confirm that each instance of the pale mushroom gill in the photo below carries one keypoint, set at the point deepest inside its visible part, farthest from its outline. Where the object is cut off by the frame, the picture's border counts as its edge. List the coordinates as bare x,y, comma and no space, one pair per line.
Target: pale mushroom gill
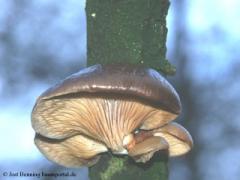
106,120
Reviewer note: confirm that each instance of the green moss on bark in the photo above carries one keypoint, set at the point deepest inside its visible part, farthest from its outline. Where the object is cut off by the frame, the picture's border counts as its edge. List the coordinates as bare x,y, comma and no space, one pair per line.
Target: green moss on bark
124,168
128,31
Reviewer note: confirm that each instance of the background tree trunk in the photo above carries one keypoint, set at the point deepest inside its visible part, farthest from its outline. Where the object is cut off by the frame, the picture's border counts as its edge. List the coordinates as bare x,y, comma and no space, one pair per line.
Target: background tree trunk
128,31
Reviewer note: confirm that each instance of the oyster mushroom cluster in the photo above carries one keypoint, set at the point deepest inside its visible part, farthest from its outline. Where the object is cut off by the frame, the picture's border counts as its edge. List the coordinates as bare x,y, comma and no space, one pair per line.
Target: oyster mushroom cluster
124,109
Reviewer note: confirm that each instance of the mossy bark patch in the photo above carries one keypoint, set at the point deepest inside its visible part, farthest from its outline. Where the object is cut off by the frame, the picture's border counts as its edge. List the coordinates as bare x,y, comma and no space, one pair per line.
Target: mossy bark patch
124,168
128,31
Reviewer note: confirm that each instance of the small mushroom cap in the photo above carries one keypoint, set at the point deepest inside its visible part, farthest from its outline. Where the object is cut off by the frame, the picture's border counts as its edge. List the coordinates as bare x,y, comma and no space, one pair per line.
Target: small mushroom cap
72,152
144,150
178,138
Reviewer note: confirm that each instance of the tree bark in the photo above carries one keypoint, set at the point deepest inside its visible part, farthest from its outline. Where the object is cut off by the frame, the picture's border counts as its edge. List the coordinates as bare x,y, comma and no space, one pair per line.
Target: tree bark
128,31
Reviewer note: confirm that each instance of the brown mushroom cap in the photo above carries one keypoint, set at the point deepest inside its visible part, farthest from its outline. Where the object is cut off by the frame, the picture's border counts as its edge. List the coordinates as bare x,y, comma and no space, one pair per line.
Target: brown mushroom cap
103,103
178,138
144,150
123,80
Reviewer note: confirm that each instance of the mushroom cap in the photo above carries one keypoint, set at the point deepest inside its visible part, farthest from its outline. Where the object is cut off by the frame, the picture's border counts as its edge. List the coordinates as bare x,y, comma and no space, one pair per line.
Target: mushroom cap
178,138
144,150
71,152
102,104
133,81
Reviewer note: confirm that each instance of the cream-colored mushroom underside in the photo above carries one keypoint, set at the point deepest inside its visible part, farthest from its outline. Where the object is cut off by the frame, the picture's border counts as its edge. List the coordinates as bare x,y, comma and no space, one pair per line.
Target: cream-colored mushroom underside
104,120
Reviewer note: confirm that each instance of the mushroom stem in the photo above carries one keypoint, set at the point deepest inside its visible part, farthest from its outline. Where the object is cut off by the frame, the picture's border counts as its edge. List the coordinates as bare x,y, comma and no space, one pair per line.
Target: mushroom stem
130,140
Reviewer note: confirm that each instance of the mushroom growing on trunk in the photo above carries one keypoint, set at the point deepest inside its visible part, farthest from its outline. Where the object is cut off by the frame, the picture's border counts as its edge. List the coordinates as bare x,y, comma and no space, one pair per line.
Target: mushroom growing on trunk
124,109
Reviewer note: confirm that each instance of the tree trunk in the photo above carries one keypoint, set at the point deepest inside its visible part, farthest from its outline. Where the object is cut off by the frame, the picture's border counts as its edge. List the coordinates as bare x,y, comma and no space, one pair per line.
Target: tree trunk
128,31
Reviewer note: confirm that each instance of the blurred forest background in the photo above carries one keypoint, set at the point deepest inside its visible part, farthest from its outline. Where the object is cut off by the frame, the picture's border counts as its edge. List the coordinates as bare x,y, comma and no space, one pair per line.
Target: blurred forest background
44,41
